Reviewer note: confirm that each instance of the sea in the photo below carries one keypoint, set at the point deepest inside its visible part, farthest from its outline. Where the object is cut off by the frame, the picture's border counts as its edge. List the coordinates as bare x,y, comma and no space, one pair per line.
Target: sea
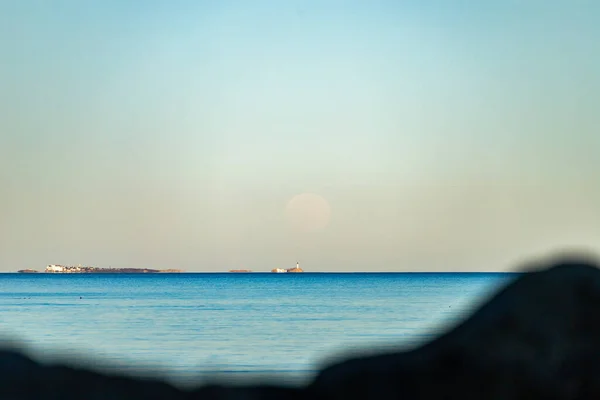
192,328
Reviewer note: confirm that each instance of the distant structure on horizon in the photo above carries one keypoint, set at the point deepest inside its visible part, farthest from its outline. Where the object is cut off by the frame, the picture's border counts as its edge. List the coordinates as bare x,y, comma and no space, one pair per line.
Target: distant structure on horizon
279,270
296,269
289,270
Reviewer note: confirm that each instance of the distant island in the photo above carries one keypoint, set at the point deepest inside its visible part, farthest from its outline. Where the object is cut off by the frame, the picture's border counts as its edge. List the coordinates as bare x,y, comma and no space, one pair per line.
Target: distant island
289,270
296,269
62,269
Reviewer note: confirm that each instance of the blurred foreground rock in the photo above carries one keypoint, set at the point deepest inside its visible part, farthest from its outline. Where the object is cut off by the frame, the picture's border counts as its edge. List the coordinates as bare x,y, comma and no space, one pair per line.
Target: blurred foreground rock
538,338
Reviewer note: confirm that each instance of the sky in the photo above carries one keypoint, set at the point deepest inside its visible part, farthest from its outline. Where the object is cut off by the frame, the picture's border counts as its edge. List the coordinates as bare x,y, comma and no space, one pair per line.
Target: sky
346,135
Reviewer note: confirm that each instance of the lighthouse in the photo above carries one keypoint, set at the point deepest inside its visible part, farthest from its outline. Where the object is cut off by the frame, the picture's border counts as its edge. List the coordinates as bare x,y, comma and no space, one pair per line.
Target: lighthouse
296,269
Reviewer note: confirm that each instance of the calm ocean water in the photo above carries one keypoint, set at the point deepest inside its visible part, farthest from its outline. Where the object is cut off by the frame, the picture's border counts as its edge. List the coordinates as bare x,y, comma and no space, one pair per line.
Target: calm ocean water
184,325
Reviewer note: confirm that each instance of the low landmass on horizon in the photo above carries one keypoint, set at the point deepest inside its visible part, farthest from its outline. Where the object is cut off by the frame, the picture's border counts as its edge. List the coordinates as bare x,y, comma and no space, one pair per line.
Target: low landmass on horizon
79,269
62,269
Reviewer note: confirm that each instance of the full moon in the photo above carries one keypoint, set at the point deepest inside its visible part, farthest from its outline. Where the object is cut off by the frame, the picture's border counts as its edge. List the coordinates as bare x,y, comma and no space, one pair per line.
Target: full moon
308,212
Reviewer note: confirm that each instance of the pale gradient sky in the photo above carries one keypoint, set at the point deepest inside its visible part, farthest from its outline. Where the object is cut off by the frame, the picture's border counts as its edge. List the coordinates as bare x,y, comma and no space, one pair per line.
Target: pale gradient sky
445,135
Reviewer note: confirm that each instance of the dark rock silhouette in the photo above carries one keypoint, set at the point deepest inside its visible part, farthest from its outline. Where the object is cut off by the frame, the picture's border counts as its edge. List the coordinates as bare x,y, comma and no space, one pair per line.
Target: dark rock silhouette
538,338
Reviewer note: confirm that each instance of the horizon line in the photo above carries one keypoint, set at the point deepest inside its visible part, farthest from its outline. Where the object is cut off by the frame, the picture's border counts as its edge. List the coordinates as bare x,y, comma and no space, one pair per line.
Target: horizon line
270,273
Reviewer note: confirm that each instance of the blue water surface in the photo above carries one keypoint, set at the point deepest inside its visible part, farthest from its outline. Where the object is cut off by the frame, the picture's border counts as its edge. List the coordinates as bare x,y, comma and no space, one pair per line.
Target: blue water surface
183,326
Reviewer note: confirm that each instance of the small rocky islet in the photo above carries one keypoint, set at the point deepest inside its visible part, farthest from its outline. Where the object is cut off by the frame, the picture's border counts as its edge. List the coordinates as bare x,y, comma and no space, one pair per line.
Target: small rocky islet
296,269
